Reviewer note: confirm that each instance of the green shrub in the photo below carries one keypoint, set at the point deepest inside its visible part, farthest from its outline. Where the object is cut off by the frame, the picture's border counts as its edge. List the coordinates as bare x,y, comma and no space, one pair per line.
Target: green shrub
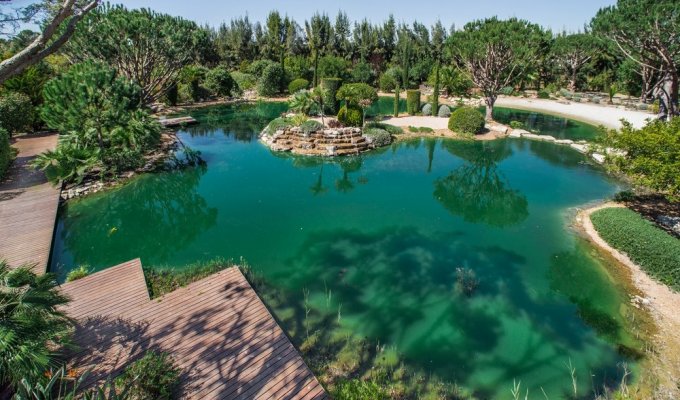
257,68
311,126
413,129
160,280
351,115
387,82
362,73
357,94
153,377
298,119
330,101
507,91
466,120
16,112
357,389
172,95
517,124
303,102
426,129
652,155
77,273
543,94
427,109
297,84
244,80
6,153
565,93
393,130
657,252
220,82
379,137
413,101
444,111
277,124
270,82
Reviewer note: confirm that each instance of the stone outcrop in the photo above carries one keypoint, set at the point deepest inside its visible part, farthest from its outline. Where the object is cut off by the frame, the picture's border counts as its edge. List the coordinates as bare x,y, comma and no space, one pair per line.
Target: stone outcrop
324,142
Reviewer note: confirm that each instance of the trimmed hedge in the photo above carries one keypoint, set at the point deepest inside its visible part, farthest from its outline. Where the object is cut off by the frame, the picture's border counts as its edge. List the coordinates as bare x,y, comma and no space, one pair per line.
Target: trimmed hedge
413,101
657,252
16,112
297,84
466,120
444,111
331,85
6,153
351,116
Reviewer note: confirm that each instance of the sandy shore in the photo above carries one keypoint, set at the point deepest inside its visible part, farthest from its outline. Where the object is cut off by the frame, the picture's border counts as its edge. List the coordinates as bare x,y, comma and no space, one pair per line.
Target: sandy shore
594,114
661,302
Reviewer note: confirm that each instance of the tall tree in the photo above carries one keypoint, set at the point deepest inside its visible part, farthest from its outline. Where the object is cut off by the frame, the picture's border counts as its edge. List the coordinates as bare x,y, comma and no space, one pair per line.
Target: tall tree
144,46
572,52
647,32
318,30
404,53
438,39
496,53
388,38
58,29
342,45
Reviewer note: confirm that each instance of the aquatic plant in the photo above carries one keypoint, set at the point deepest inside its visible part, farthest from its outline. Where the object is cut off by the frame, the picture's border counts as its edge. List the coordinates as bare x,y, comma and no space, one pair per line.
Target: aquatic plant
466,281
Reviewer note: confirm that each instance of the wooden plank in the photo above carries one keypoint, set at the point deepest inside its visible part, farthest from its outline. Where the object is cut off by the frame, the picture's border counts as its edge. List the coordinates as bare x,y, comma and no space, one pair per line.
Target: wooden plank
218,330
28,206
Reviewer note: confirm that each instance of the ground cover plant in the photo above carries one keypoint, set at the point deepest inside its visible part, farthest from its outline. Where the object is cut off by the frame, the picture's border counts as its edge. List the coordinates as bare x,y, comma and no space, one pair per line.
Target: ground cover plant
657,252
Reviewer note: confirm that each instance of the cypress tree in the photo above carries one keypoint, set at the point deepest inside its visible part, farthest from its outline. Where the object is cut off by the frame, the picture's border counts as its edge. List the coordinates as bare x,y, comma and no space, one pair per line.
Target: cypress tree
435,93
396,100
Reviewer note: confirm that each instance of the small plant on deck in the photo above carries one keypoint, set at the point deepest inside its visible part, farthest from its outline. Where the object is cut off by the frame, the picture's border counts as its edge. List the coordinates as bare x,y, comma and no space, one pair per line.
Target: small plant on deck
153,377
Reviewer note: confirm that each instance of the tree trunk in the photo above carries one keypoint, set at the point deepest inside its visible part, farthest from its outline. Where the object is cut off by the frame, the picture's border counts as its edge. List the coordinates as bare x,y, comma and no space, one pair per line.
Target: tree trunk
490,101
316,68
572,81
673,106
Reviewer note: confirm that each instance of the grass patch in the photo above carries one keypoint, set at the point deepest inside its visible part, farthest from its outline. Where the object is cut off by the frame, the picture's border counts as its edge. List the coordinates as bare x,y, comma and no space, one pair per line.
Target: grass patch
160,281
657,252
420,129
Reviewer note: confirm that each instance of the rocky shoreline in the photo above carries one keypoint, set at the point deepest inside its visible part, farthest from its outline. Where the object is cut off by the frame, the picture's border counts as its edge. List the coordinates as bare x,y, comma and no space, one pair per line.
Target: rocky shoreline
323,142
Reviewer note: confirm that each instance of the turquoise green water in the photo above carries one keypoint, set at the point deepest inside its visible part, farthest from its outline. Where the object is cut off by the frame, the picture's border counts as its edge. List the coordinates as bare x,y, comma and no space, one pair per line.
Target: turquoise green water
559,127
385,233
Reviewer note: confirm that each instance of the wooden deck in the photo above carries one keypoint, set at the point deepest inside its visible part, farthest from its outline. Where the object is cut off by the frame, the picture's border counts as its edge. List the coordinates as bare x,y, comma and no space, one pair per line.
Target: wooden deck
28,206
217,329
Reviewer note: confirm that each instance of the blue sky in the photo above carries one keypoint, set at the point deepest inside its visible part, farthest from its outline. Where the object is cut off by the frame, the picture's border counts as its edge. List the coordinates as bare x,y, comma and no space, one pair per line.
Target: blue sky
556,14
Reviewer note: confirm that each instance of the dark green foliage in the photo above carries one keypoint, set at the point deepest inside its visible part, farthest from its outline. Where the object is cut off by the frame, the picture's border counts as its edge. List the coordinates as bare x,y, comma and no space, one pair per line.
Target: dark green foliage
453,80
396,100
220,83
362,73
358,94
333,67
351,115
413,101
379,137
393,130
257,68
311,126
517,125
444,111
172,95
331,86
146,47
6,153
191,88
303,102
33,329
161,281
297,85
421,129
466,120
101,123
153,377
543,94
652,156
507,91
269,83
16,112
387,83
657,252
244,81
277,124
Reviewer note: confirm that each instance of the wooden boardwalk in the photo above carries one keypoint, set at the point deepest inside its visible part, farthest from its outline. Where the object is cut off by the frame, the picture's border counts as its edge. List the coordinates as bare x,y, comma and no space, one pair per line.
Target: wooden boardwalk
28,206
217,329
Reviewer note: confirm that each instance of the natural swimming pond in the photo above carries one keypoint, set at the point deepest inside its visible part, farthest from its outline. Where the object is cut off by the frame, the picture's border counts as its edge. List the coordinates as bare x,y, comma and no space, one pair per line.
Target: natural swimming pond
376,244
556,126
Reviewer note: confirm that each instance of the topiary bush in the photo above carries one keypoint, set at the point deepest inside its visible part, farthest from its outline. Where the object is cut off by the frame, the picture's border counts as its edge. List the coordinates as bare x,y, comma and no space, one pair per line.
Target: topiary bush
444,111
351,116
16,112
413,101
466,120
378,137
311,126
297,84
6,153
543,94
427,109
153,377
330,101
269,83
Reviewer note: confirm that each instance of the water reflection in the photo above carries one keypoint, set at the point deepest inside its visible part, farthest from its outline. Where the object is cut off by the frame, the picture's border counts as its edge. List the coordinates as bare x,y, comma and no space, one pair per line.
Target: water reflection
166,206
243,122
477,191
